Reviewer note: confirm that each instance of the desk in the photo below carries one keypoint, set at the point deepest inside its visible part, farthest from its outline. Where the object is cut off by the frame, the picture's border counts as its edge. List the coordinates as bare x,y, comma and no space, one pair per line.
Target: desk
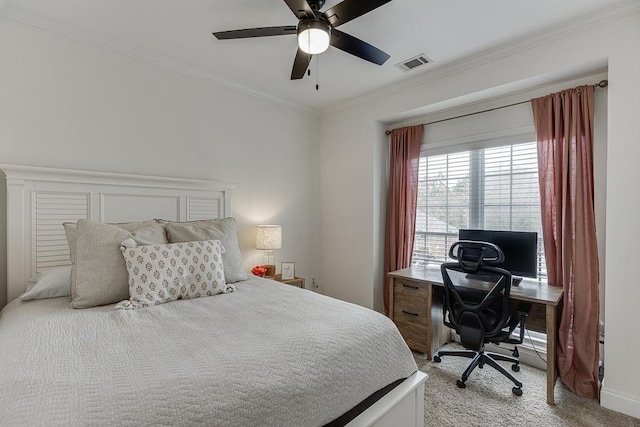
427,278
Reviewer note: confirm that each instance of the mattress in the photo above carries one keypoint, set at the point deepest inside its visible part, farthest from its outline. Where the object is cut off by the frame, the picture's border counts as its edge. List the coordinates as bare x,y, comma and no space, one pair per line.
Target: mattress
267,354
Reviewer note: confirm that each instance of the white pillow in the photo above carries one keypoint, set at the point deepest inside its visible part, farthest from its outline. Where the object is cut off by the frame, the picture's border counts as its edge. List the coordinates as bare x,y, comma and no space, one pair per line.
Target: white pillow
51,283
165,273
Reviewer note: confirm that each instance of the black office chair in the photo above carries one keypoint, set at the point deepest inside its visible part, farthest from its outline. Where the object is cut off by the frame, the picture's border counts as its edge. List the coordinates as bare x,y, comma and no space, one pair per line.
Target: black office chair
476,305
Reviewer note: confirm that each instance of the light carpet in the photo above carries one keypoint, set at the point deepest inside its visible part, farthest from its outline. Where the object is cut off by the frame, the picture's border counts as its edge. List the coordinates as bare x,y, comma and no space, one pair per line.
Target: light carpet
488,401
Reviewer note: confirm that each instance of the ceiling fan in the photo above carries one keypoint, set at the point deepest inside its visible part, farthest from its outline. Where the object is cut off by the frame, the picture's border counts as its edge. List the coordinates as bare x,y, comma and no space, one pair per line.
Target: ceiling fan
317,30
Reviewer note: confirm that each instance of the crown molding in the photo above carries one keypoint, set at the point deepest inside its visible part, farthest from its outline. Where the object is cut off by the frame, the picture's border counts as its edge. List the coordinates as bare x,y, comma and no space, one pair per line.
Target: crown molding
18,14
538,38
20,173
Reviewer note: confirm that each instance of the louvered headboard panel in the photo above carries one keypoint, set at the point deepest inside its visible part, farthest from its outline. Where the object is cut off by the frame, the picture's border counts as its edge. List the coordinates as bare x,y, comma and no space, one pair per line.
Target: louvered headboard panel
40,200
51,210
203,208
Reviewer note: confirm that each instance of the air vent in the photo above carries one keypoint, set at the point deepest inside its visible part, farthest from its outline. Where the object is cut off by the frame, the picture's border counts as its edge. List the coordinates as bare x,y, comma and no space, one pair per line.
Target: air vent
413,63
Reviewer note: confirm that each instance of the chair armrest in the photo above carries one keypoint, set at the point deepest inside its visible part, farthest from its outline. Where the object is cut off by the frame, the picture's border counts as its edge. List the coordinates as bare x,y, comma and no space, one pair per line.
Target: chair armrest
519,318
522,311
524,308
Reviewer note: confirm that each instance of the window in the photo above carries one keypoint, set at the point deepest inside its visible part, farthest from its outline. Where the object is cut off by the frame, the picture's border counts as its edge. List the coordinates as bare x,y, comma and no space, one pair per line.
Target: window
490,188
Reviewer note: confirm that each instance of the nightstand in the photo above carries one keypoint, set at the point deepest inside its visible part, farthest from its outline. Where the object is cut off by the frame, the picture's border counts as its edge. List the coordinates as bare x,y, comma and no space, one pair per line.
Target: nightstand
297,282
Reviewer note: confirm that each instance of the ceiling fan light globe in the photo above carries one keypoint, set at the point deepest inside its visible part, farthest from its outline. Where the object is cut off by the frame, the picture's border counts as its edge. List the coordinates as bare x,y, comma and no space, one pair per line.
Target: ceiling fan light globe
313,37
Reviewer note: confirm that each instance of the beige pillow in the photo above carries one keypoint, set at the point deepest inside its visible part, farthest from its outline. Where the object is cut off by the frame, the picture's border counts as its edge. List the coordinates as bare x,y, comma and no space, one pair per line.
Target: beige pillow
212,229
101,274
165,273
71,231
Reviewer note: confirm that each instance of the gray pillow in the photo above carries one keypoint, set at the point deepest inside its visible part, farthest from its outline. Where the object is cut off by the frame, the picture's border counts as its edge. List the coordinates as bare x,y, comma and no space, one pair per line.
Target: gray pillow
101,275
212,229
71,231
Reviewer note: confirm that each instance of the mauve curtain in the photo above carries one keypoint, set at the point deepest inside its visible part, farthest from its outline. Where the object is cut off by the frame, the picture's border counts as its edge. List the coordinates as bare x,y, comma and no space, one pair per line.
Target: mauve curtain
402,197
564,128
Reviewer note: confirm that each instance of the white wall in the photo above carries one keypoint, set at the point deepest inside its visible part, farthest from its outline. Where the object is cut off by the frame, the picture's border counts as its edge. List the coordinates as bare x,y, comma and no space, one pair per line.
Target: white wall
621,389
67,104
351,172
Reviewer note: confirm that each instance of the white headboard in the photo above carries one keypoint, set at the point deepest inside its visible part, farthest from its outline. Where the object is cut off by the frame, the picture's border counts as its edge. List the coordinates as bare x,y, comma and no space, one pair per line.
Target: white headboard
39,200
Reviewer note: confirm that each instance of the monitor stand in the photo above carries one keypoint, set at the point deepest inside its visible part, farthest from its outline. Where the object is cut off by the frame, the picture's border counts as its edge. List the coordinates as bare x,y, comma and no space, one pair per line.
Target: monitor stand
515,280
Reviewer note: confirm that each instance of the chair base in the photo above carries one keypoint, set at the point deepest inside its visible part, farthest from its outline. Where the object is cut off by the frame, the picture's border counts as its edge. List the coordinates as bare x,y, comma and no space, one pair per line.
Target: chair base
480,358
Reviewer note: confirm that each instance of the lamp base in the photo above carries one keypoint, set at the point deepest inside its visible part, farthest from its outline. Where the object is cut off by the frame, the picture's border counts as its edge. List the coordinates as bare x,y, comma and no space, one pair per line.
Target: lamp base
271,270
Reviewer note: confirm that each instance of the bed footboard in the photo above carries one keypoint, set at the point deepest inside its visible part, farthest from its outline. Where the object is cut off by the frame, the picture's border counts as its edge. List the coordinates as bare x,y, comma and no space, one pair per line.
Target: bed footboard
402,407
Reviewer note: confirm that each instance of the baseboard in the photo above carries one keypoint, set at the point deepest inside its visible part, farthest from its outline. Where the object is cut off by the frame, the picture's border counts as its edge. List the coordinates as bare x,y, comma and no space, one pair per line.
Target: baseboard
618,402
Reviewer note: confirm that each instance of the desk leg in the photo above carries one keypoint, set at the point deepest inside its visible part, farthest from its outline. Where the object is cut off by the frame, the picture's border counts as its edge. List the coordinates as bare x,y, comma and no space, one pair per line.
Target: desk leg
552,369
429,322
391,285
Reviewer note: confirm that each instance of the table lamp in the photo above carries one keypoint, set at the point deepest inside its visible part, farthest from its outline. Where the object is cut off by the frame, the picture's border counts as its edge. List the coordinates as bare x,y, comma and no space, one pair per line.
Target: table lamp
269,238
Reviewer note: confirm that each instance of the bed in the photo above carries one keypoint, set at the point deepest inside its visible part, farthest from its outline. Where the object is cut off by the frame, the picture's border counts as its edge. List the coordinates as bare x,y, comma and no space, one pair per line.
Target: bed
264,354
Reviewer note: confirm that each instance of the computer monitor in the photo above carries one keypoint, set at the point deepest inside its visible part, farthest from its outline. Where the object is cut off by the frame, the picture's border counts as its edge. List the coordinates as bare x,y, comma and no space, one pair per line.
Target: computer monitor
520,248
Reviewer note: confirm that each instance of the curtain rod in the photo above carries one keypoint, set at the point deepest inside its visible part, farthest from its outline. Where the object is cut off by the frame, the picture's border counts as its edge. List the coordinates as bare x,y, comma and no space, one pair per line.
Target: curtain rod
601,83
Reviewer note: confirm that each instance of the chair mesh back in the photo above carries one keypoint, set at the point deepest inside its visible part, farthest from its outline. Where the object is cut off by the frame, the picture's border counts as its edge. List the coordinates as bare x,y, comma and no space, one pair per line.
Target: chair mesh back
476,294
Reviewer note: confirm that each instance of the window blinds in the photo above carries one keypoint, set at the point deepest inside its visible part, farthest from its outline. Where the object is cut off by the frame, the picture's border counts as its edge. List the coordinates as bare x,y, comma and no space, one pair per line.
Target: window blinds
492,188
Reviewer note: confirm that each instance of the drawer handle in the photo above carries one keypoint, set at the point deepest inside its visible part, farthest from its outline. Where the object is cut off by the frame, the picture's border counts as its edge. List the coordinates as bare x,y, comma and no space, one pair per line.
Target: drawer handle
409,286
410,314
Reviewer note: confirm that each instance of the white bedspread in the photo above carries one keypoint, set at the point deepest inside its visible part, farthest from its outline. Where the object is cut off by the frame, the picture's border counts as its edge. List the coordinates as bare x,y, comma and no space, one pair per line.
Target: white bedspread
266,355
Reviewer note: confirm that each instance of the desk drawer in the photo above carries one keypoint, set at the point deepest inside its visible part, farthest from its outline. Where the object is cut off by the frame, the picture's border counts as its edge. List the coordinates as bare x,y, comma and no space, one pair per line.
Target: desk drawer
410,299
409,312
414,334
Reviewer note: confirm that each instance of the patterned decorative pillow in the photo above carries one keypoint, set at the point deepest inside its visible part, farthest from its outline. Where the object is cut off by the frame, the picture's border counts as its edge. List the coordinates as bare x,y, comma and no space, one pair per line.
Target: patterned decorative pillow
164,273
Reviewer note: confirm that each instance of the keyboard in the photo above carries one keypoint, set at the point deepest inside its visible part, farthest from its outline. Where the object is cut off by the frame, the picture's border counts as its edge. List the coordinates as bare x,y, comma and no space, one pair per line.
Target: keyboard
515,281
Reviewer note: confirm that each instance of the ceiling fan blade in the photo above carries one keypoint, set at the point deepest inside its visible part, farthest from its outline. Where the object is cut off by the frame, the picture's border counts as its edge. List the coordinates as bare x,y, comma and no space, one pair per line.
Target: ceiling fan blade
357,47
301,9
300,65
256,32
350,9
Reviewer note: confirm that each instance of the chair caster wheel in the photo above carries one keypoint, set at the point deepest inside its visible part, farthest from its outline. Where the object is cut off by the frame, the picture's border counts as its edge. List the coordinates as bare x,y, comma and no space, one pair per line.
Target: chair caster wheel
515,368
517,391
461,384
437,359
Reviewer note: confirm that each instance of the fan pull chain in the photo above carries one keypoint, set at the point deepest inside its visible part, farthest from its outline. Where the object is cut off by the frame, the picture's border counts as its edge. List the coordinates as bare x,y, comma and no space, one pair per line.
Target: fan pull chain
317,71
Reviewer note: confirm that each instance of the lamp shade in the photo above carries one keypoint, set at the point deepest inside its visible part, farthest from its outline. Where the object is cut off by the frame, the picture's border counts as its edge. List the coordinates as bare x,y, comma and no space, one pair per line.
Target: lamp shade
314,37
268,237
